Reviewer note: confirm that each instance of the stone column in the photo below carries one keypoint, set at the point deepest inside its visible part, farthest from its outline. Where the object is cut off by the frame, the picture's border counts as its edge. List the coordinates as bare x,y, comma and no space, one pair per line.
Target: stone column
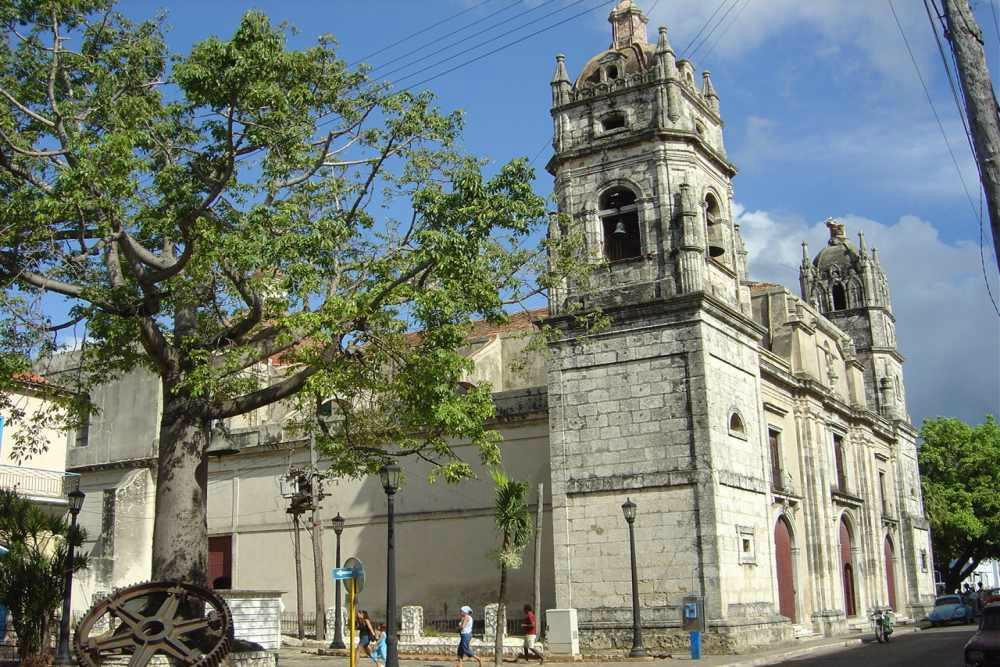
413,623
490,623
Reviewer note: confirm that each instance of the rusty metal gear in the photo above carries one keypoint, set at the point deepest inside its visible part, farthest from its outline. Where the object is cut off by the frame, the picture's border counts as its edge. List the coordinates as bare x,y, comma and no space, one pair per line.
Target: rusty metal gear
187,623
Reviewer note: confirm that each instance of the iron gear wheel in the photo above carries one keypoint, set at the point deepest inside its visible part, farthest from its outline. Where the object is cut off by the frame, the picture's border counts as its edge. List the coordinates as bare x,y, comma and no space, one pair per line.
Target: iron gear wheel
187,623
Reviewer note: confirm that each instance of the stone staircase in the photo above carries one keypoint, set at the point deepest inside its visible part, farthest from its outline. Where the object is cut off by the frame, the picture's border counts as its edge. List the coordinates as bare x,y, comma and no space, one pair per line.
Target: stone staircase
804,633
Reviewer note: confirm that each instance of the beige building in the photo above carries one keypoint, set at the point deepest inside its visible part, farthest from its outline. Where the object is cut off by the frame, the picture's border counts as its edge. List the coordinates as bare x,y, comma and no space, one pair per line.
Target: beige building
763,436
40,477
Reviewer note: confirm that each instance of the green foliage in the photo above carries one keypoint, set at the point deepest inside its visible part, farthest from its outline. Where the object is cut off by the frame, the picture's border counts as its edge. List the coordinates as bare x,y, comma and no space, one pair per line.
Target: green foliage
31,574
960,466
209,213
512,518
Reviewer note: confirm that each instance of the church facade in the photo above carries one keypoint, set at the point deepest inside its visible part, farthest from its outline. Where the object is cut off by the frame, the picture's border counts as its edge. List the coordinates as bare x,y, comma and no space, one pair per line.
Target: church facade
763,436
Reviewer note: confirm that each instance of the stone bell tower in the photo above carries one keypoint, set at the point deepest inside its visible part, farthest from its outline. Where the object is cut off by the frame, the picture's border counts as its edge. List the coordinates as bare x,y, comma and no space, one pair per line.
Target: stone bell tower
847,284
662,404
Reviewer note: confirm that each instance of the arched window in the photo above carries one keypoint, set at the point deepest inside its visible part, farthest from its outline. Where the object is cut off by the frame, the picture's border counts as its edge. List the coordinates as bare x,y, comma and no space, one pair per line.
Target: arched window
613,121
736,426
620,220
716,233
839,297
612,72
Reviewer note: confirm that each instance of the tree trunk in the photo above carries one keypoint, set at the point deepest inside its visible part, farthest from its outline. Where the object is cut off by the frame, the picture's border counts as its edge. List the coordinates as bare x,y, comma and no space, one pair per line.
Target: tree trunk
180,528
501,618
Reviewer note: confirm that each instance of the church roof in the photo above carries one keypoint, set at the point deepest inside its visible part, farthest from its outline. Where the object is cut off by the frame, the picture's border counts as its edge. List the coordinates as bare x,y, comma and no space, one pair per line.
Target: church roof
632,59
838,251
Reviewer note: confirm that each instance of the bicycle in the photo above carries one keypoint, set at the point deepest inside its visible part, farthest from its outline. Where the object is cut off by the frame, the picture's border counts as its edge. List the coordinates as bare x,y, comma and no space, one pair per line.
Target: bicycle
882,622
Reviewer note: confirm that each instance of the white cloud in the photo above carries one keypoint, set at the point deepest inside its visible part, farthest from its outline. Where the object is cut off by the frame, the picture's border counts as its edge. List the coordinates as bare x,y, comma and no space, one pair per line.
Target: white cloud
947,327
844,29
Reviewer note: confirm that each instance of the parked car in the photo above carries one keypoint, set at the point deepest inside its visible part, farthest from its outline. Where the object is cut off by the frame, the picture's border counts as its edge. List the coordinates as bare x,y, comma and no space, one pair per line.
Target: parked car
983,650
951,609
991,595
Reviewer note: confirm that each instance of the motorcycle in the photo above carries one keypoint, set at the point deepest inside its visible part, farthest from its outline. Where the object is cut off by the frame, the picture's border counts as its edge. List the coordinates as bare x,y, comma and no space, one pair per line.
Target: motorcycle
882,622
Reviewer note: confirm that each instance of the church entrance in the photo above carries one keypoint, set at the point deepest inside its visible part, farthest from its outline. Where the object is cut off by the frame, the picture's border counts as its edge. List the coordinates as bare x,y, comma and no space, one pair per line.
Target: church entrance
847,567
786,574
890,571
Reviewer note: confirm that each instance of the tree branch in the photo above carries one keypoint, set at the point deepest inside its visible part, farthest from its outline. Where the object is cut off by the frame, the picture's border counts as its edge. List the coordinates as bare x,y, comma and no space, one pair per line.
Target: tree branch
220,409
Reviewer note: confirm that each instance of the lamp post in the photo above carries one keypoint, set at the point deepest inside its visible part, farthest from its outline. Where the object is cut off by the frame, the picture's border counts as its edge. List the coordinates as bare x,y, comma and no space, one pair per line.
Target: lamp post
338,631
628,508
62,654
389,475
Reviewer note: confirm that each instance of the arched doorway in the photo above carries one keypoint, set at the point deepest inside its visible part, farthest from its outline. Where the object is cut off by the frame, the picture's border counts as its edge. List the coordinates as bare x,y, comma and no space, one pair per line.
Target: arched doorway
847,568
890,571
786,573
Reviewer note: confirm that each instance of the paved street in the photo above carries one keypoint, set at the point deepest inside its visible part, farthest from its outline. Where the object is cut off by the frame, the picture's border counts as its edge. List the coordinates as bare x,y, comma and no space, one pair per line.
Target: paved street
939,647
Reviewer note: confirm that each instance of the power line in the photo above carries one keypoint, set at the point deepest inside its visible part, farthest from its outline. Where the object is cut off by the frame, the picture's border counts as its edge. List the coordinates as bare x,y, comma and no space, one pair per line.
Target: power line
419,32
708,35
703,26
406,56
411,63
506,46
718,39
930,101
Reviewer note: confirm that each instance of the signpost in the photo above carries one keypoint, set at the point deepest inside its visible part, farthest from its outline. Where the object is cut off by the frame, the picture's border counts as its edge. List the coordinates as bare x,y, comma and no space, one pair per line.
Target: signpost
354,573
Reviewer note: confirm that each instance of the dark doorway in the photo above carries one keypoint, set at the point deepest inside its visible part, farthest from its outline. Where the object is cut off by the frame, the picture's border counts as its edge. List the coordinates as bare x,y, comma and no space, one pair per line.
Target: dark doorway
847,566
220,562
890,571
786,573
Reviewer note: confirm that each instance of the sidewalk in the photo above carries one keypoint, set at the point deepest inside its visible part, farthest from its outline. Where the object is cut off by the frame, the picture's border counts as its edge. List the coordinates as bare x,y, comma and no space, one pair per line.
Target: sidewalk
308,657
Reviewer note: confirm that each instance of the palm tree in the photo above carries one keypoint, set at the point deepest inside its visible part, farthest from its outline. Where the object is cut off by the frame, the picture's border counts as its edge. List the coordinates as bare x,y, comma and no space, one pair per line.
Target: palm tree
514,523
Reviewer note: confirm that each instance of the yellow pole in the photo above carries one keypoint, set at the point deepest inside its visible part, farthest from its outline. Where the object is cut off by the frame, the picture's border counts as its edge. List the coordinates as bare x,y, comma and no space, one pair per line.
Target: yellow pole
353,622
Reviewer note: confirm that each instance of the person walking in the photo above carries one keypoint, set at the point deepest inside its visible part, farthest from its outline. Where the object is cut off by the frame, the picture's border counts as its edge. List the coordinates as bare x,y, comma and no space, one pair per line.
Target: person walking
530,627
378,655
366,632
465,637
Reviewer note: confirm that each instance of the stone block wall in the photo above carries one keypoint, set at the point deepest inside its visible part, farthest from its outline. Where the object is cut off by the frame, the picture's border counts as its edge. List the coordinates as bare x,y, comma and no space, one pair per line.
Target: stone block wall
256,616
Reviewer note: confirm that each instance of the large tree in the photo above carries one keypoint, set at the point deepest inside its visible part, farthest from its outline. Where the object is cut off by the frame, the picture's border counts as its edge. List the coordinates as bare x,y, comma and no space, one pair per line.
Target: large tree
960,466
208,214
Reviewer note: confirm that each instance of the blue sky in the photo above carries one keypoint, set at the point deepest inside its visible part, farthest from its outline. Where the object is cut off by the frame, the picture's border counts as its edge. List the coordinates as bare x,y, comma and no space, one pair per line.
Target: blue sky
825,116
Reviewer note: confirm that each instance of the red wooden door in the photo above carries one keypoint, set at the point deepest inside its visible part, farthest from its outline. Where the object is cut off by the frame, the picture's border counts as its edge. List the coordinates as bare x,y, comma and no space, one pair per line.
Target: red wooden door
848,568
786,575
890,571
220,561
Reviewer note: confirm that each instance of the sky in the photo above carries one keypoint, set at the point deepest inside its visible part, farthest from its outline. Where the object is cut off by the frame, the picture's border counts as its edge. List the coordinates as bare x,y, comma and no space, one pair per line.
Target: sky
825,116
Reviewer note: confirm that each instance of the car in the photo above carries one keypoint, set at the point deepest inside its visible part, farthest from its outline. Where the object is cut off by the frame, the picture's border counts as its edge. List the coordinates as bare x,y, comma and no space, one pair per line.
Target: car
991,595
983,650
951,609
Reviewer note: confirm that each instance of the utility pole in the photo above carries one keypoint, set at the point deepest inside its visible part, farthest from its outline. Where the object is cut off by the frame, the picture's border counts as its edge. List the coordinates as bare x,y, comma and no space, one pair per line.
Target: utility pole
538,558
317,539
296,512
295,489
966,39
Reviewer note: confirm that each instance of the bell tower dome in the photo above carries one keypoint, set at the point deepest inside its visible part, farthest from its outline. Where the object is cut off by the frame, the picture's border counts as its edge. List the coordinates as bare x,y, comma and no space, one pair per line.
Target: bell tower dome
847,284
640,168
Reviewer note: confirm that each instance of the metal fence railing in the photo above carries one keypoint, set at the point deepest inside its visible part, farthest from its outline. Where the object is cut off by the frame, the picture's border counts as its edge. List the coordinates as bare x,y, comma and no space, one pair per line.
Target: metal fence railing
290,624
37,482
440,626
446,626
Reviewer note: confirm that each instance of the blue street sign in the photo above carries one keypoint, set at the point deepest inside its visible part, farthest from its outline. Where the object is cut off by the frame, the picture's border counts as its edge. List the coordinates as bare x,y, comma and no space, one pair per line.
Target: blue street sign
341,573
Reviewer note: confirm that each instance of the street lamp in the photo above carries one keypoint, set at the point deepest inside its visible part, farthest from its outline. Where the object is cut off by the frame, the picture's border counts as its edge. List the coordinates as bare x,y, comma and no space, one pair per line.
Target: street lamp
389,475
338,631
628,508
76,497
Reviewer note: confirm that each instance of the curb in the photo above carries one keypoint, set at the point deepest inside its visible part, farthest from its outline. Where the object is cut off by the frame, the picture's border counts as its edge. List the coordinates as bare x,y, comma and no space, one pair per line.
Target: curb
796,653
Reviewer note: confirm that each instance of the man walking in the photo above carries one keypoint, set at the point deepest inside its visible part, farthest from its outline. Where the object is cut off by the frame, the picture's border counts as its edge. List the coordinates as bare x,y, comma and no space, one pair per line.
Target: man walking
465,637
530,627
